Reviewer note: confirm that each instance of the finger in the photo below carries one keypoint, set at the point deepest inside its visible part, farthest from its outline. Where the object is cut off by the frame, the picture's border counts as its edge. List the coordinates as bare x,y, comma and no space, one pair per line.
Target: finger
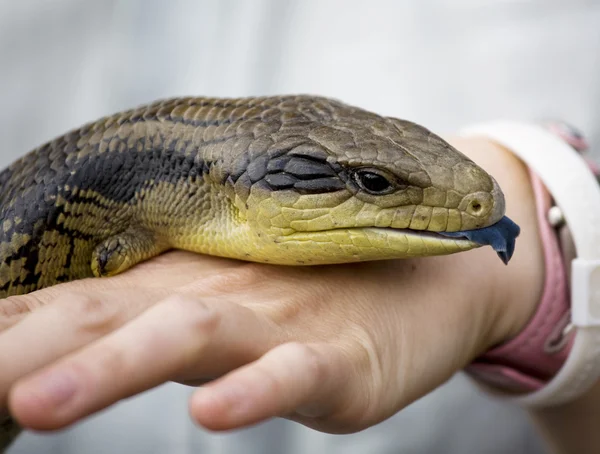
292,378
64,326
171,269
14,308
164,342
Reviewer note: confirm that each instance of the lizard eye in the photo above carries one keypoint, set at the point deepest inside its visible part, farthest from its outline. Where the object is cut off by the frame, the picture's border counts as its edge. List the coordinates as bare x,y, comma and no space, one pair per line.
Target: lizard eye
372,182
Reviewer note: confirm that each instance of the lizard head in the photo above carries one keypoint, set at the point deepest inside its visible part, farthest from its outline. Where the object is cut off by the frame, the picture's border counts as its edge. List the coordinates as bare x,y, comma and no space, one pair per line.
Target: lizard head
357,186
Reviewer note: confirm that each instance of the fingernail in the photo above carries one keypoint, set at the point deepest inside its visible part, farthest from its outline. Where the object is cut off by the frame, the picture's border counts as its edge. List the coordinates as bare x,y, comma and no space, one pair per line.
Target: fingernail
55,388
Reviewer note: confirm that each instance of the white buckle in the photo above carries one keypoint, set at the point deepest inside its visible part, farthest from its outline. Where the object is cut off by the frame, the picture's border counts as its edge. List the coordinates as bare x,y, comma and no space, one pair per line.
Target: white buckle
585,292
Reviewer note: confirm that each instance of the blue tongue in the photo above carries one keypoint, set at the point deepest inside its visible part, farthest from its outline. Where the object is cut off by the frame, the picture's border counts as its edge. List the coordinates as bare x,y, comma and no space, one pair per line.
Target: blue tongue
501,236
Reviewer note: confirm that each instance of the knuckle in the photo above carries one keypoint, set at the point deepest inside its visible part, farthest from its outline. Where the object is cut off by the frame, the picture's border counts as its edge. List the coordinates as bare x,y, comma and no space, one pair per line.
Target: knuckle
241,277
198,315
91,313
310,358
110,358
272,381
106,360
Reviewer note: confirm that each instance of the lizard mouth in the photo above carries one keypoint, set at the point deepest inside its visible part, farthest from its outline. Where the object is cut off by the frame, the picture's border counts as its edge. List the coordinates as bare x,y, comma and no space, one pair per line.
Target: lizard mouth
501,236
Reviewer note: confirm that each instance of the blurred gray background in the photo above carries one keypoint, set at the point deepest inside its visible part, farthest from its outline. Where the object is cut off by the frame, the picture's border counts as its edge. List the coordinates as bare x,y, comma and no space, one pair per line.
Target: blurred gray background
445,63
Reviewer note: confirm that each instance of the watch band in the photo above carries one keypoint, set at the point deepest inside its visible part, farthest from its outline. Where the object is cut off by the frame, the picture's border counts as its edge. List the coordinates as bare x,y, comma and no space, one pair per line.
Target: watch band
577,194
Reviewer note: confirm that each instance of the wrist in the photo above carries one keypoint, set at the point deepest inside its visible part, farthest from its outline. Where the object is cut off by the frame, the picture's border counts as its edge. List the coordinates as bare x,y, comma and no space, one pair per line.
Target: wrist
515,290
556,357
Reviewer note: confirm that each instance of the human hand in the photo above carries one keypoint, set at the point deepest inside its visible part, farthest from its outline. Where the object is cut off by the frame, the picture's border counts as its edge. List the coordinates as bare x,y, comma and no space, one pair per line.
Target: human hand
337,348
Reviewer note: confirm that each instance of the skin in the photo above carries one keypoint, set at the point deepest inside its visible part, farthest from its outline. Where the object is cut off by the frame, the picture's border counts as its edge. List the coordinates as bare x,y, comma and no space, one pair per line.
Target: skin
273,180
336,348
288,180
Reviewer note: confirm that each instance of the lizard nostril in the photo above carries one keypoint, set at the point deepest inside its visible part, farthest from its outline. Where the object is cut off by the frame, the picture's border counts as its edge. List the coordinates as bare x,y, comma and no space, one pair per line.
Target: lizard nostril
475,207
